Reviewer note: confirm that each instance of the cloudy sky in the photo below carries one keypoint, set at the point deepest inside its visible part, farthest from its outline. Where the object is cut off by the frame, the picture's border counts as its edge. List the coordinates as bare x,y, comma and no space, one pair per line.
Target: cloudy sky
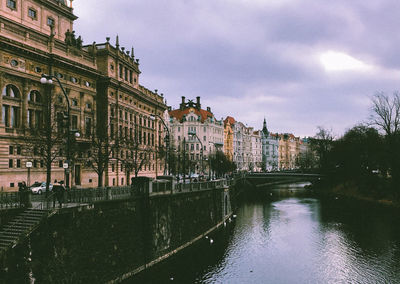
300,64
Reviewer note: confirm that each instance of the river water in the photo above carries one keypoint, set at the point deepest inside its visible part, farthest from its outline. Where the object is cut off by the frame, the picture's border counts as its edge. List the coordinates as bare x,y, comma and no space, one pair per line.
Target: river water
282,238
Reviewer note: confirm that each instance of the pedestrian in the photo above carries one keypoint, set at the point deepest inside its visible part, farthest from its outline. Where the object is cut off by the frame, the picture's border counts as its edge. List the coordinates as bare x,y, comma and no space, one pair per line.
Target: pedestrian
21,194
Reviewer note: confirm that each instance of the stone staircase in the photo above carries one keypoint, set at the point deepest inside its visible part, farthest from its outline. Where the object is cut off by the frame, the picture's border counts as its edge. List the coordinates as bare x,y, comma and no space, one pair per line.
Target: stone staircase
21,227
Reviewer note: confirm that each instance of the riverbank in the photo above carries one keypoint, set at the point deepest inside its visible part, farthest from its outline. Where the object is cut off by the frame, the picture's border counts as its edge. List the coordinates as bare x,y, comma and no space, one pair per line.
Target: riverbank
350,190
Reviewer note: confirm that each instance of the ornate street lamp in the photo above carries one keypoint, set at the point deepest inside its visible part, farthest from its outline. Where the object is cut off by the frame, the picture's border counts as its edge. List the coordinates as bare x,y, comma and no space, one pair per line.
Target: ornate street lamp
48,79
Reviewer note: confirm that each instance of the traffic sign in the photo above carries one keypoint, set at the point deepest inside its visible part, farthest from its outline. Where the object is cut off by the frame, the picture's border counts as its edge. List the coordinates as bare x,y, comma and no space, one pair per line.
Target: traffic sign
65,165
29,164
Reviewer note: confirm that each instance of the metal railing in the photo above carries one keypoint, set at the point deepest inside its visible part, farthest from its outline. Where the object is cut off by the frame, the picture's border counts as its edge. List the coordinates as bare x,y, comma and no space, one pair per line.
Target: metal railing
92,195
10,200
70,197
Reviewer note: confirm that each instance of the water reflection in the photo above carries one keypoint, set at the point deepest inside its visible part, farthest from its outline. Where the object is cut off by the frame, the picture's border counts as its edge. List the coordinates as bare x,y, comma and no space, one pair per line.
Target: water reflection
296,240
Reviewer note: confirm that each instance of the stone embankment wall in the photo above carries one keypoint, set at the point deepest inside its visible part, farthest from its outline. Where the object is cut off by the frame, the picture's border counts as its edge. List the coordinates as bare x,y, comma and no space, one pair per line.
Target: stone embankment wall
113,240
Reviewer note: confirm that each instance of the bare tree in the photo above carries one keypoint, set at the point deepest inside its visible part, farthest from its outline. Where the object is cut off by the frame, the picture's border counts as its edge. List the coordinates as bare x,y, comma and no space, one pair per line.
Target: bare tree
99,152
45,142
321,143
386,112
135,154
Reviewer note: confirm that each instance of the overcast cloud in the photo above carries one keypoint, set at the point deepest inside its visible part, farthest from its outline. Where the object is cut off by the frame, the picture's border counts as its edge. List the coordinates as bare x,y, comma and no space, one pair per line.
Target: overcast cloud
300,64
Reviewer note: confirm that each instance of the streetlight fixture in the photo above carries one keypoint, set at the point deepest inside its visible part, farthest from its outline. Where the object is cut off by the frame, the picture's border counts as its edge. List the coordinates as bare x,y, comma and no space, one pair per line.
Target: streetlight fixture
167,142
48,79
191,133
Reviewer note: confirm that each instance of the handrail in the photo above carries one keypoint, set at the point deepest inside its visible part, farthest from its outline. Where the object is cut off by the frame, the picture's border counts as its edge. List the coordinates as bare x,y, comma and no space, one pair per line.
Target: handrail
37,207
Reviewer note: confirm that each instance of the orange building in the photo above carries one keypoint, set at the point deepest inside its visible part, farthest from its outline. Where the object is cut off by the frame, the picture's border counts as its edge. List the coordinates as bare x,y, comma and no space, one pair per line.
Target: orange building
228,137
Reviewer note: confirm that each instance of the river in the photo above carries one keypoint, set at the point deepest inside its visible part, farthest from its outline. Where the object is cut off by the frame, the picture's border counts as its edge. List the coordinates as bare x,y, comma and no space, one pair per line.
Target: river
287,239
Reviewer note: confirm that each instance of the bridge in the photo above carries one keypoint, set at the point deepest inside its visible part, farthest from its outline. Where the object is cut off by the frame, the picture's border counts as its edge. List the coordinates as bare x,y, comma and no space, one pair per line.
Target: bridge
263,180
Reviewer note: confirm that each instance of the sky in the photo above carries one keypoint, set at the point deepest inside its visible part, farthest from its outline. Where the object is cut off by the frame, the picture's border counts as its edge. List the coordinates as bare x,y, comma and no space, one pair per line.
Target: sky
300,64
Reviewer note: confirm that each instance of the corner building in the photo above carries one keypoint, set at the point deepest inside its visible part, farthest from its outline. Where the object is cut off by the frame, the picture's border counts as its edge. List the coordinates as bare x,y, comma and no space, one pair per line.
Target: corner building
101,81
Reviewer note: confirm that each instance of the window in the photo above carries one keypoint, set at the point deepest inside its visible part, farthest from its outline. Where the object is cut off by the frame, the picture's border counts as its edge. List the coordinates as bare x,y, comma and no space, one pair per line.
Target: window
88,126
60,163
15,116
18,163
38,119
11,150
74,79
10,163
130,76
18,150
121,71
88,105
14,63
74,102
12,4
126,74
38,69
50,22
10,91
32,13
74,122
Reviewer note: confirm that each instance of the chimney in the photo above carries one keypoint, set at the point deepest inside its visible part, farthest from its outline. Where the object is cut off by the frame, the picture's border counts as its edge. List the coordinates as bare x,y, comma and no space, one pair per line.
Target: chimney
198,105
183,105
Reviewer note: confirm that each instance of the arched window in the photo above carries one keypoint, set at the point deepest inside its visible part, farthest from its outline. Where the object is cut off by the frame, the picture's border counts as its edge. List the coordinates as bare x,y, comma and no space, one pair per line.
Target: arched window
34,96
11,91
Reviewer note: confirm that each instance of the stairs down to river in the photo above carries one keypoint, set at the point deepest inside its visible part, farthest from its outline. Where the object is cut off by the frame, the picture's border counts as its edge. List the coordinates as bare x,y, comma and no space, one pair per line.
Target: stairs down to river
21,227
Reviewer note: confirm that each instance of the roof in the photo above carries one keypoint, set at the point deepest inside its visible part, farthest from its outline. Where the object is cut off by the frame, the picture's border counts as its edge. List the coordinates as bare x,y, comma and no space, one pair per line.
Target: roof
229,119
178,113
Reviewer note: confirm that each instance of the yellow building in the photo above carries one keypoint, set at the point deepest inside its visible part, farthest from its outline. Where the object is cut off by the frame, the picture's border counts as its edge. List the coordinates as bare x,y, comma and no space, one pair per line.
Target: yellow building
102,86
289,149
228,137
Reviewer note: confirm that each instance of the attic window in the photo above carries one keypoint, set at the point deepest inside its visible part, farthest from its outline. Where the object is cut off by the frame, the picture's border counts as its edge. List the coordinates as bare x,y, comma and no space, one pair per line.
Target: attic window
12,4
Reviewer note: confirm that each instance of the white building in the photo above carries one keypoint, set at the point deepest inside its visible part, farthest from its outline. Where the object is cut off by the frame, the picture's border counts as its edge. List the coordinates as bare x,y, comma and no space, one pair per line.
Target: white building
195,128
270,149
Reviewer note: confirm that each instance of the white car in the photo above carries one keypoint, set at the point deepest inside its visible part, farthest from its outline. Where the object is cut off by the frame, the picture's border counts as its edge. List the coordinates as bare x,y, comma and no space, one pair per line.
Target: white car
40,187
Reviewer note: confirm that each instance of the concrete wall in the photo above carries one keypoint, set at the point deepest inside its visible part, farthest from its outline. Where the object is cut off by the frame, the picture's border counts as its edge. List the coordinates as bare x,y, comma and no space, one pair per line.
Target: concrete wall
114,240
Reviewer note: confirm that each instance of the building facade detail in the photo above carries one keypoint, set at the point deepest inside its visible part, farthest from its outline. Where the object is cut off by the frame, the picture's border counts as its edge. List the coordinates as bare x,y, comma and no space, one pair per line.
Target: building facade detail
195,132
101,82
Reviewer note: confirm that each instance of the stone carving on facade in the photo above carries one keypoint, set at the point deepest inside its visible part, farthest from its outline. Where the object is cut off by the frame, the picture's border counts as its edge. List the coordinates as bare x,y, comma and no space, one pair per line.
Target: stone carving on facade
72,40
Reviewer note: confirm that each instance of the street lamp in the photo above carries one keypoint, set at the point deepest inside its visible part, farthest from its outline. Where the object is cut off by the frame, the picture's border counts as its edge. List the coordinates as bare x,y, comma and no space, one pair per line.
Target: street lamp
48,79
167,142
191,133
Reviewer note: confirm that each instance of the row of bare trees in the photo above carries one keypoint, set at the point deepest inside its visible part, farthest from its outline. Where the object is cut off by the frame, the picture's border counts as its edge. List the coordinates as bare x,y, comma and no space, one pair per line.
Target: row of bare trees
369,153
47,144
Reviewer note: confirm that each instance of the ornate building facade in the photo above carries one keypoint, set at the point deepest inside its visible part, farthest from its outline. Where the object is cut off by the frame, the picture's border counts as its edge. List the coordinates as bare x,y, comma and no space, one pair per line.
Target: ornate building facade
195,132
101,83
289,149
270,149
229,123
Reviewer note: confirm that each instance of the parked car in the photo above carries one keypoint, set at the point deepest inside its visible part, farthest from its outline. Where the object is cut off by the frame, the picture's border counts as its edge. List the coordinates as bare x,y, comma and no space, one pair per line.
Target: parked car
40,187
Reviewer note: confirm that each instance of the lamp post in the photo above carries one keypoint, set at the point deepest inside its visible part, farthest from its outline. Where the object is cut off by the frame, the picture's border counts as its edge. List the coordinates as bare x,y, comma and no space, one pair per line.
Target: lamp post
201,150
48,79
167,142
